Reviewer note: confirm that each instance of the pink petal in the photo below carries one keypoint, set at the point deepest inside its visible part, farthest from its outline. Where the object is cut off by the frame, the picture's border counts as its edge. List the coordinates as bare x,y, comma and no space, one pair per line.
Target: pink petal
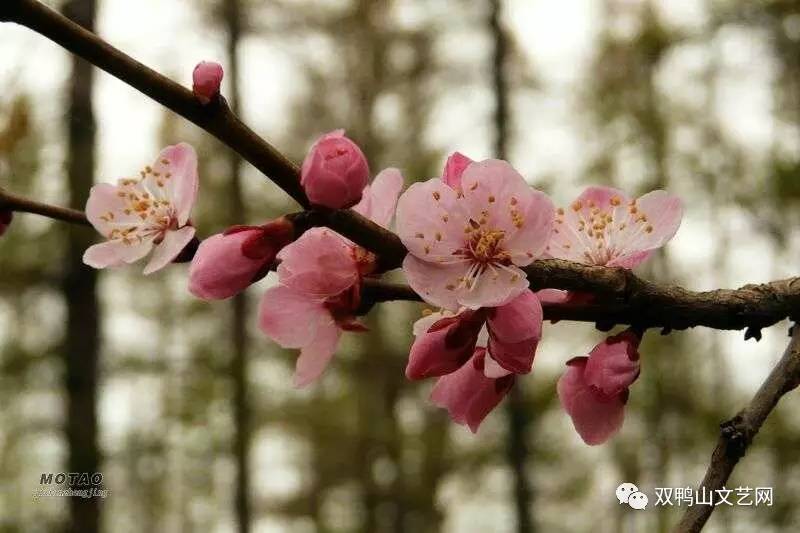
319,263
614,363
431,281
492,369
494,188
454,168
219,269
379,199
173,244
468,395
630,261
291,318
493,288
104,199
315,356
518,320
183,183
664,212
431,221
596,417
444,347
116,253
552,296
514,333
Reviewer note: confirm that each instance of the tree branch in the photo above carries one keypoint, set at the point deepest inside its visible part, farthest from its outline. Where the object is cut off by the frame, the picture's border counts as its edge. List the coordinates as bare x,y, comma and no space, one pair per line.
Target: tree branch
737,433
12,202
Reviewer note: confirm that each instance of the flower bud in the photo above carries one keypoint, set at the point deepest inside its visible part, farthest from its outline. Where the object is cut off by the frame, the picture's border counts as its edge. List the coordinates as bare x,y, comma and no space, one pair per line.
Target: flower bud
334,172
206,79
5,220
227,263
455,166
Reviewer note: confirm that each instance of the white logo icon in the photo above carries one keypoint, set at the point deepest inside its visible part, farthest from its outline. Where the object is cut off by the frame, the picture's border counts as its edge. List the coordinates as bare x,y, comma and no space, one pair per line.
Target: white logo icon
625,490
638,500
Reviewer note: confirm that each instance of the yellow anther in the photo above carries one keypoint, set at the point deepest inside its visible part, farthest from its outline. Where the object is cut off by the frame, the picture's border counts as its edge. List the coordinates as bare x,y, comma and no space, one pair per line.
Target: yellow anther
420,235
436,195
491,199
577,206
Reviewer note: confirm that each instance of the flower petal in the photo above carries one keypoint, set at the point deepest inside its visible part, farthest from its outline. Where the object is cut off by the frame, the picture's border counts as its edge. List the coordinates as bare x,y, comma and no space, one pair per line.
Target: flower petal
431,281
315,356
105,209
116,253
493,288
596,417
180,162
319,263
613,364
173,244
289,317
379,199
518,320
445,346
663,212
454,168
431,221
468,395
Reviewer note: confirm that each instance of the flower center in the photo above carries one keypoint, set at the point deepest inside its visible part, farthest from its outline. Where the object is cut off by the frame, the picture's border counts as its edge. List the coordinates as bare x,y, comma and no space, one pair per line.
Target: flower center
485,245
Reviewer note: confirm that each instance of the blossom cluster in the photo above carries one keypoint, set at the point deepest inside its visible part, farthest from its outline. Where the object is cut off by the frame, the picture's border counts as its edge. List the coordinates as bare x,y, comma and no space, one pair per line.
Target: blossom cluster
469,234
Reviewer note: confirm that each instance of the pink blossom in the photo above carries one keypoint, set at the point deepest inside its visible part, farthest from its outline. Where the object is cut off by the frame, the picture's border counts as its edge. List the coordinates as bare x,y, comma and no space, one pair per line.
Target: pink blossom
466,247
604,227
147,213
5,220
335,171
320,278
206,79
454,168
468,395
445,341
227,263
594,389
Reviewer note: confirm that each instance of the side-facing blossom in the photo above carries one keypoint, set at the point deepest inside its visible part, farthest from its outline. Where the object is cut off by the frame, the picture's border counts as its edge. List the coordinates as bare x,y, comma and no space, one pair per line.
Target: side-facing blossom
227,263
603,226
147,213
466,246
594,389
5,220
206,79
335,171
319,285
476,354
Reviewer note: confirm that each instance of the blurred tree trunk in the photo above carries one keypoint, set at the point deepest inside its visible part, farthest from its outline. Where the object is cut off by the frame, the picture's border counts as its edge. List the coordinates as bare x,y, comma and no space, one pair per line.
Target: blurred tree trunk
519,419
81,342
233,23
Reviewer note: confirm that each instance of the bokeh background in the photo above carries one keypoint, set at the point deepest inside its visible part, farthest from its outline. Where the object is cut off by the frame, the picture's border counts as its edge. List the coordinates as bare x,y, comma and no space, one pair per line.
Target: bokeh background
188,410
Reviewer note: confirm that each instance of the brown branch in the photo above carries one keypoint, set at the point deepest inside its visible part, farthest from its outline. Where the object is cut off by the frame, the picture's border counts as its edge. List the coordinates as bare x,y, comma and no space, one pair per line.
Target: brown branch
622,297
737,433
12,202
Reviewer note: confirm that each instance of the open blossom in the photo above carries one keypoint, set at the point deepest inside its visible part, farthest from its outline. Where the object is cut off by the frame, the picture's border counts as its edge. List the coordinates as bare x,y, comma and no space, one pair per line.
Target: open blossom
227,263
466,246
320,278
475,354
5,220
605,227
335,171
594,389
206,79
147,213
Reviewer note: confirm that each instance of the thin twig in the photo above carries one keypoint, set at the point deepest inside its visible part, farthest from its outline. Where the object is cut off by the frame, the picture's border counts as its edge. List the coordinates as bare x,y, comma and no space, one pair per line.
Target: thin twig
12,202
737,433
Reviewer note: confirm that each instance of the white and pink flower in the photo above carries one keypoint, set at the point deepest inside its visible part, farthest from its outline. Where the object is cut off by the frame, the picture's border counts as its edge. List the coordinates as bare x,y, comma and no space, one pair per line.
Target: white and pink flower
320,278
603,226
469,234
146,213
